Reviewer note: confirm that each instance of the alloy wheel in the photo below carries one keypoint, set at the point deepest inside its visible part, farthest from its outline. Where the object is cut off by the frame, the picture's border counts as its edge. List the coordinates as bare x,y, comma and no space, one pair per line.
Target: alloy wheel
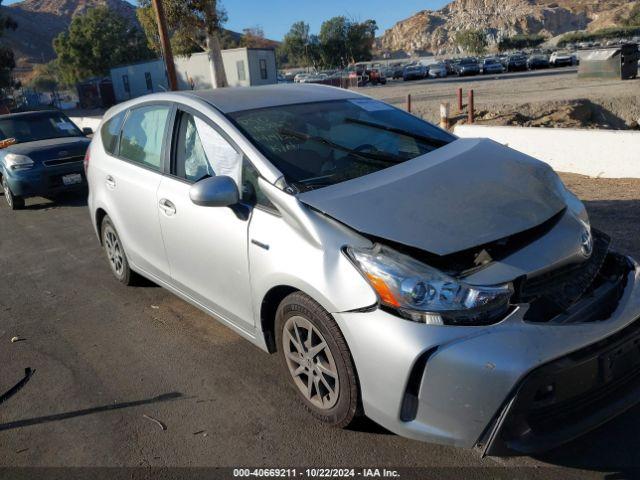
114,251
310,362
7,192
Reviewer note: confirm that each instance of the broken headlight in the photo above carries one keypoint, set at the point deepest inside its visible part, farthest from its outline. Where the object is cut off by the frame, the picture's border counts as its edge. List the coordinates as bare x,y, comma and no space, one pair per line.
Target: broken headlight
423,294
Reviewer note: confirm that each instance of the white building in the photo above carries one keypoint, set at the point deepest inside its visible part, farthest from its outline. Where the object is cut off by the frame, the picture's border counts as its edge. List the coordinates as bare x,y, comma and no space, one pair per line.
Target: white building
244,67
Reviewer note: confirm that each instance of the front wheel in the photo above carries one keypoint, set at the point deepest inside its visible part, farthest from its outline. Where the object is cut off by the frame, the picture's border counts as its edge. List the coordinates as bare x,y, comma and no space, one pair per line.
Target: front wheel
14,202
317,361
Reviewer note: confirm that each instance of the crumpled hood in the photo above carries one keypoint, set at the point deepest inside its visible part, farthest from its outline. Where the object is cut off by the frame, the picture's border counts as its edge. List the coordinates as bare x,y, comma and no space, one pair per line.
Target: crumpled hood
467,193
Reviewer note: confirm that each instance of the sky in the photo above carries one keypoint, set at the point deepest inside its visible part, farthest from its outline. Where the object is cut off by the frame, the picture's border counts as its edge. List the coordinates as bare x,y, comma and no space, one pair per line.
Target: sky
276,16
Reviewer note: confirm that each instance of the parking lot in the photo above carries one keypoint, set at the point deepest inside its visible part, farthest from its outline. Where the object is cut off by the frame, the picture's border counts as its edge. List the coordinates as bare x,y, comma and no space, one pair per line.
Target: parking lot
109,360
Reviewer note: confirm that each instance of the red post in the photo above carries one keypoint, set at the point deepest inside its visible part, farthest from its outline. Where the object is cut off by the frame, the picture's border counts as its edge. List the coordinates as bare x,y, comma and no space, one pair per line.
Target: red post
471,112
460,100
409,102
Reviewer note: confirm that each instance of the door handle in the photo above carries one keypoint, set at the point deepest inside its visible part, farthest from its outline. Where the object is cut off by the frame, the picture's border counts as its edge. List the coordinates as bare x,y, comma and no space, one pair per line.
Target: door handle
167,207
110,182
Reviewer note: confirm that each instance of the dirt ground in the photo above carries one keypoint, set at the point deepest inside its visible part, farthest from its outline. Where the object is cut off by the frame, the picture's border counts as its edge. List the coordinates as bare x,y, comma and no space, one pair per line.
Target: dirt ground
614,207
554,99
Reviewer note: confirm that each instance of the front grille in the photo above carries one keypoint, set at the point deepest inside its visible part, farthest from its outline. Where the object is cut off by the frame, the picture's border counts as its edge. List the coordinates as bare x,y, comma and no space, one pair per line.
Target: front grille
63,161
554,292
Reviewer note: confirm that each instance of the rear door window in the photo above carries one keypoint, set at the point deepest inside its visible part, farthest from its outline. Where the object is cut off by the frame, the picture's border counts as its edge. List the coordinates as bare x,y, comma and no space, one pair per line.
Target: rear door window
110,133
143,135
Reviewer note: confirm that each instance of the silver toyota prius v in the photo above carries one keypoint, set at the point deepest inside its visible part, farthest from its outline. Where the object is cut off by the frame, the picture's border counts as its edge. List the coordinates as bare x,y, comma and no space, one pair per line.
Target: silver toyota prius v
452,290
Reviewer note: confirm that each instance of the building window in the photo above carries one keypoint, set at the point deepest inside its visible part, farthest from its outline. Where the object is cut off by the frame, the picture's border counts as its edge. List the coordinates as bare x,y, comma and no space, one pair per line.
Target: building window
263,69
125,82
147,78
242,76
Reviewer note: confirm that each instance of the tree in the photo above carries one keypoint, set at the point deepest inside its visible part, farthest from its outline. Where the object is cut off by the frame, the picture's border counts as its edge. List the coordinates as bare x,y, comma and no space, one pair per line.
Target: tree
518,42
471,41
7,59
96,42
344,41
195,26
254,38
296,44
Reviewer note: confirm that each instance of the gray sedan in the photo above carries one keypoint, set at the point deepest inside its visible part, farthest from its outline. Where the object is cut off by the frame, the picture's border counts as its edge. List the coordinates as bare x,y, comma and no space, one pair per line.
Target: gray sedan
450,289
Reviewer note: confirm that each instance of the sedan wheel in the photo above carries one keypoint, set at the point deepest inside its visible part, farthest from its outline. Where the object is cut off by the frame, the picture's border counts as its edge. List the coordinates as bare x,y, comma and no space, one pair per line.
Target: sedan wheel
317,361
15,203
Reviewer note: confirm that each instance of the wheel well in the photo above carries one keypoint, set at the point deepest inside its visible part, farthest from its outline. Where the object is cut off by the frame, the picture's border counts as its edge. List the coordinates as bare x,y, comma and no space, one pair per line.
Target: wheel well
100,214
268,309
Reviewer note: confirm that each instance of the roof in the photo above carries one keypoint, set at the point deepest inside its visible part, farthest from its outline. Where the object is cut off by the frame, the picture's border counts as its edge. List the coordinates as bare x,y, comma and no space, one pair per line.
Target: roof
229,100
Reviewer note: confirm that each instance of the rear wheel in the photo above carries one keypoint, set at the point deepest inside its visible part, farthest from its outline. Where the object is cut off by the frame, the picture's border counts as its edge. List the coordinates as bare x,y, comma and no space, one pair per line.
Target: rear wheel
317,361
115,253
14,202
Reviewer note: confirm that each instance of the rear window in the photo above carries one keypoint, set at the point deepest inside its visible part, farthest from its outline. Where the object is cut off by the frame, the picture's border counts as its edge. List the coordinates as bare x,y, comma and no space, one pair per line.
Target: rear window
143,135
323,143
110,131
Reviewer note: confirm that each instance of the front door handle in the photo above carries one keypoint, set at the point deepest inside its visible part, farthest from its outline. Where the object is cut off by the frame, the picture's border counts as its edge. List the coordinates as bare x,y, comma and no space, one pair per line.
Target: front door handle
110,182
167,207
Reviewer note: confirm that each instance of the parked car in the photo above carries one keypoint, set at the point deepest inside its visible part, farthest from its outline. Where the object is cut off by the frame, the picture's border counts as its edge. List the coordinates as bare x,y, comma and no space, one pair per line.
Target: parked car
376,76
437,70
561,59
415,72
467,66
516,63
398,71
492,65
297,216
536,62
46,158
451,66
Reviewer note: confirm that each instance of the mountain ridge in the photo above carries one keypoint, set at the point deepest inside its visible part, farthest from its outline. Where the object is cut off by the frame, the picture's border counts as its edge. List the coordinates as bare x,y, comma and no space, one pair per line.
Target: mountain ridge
433,30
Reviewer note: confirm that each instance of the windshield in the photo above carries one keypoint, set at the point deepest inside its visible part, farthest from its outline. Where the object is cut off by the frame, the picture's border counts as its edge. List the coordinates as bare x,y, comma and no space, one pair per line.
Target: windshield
323,143
41,126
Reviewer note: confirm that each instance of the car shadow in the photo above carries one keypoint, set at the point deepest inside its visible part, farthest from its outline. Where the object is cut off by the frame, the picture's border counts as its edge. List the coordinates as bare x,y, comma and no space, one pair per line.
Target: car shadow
366,425
612,448
76,199
88,411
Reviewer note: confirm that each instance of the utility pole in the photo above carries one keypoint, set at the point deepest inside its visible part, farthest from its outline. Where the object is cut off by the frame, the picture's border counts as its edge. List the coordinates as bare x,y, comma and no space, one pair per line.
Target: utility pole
166,45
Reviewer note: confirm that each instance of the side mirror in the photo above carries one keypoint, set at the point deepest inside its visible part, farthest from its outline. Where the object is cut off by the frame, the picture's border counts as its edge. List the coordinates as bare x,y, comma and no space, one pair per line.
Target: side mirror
87,130
220,191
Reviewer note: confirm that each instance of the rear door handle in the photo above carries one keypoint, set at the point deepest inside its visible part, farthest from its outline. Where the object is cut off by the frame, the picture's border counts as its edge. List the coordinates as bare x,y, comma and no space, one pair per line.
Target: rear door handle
110,182
167,207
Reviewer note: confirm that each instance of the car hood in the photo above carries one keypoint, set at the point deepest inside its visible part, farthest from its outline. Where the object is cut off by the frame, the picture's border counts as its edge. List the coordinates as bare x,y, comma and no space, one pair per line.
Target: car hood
51,148
467,193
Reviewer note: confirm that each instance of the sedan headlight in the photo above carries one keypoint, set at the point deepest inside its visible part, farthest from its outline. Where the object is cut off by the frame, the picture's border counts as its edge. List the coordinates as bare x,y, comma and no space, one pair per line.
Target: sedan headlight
424,294
17,162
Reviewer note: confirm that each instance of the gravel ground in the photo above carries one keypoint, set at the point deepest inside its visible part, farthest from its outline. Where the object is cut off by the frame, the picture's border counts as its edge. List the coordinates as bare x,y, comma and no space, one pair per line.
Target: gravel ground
509,91
614,207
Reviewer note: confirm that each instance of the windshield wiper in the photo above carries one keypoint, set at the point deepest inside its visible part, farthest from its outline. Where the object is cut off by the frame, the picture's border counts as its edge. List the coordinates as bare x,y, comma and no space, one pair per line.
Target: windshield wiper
434,142
365,157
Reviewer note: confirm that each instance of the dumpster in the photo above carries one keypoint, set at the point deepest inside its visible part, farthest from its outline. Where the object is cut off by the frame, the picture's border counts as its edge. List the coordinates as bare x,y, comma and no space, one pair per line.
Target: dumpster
614,62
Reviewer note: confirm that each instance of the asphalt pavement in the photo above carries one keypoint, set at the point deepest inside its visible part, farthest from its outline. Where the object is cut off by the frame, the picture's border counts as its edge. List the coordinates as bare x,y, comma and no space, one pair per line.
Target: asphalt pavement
135,377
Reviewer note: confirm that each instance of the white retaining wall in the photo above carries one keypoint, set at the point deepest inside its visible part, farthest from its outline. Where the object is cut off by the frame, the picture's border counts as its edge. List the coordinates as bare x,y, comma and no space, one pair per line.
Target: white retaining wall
596,153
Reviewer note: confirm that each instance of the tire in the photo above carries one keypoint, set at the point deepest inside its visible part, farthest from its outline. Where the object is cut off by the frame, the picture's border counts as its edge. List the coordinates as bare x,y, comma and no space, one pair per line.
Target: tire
13,201
298,314
115,253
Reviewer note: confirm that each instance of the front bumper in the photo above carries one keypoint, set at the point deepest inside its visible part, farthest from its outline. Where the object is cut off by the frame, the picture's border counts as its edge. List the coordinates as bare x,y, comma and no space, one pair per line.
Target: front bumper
44,181
459,385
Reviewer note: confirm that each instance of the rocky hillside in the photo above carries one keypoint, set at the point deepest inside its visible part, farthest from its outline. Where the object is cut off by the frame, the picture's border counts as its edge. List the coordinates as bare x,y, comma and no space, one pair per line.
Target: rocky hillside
40,21
432,31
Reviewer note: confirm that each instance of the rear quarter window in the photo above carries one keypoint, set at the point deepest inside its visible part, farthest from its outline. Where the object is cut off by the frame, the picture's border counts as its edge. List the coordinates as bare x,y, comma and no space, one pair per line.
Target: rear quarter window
110,131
